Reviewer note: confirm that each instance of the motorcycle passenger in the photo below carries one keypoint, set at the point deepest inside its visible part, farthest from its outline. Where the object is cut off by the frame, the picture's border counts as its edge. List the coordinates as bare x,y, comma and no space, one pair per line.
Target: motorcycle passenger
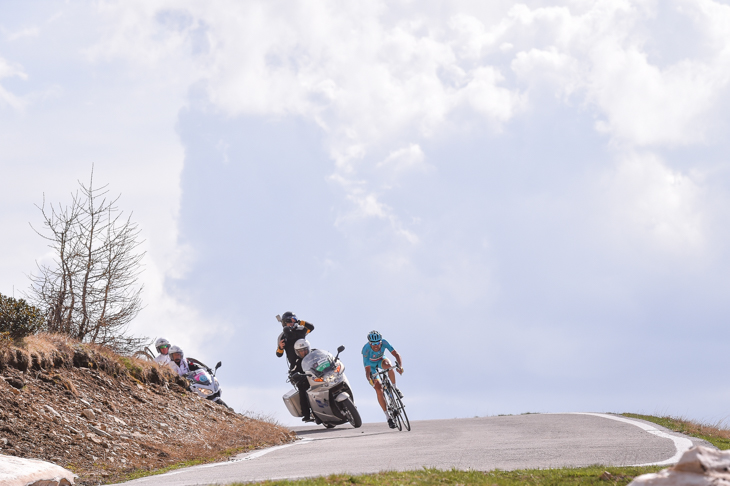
178,363
301,348
294,330
163,347
373,358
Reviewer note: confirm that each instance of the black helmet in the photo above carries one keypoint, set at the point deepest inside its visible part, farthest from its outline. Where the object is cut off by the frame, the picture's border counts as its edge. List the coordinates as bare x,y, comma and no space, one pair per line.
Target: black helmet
288,317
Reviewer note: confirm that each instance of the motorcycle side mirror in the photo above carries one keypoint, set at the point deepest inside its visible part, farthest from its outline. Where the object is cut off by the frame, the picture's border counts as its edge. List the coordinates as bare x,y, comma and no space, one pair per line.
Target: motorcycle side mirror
339,350
218,365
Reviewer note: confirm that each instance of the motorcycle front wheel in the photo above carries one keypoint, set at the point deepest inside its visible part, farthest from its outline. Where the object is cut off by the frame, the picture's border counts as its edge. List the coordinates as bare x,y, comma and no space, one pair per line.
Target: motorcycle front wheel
349,410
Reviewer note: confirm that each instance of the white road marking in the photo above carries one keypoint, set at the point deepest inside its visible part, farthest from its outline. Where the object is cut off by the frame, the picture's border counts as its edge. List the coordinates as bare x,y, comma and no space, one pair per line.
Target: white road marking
682,444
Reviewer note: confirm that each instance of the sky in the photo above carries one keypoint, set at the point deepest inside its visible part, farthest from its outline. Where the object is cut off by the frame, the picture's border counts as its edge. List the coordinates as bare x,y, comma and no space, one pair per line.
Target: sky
530,201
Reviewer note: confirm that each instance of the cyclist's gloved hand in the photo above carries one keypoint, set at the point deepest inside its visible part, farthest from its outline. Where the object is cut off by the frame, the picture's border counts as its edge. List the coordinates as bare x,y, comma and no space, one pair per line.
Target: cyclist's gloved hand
370,380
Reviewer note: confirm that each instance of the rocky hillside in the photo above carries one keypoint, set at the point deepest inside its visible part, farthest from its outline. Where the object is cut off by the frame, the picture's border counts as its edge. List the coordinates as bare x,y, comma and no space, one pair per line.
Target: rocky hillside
106,417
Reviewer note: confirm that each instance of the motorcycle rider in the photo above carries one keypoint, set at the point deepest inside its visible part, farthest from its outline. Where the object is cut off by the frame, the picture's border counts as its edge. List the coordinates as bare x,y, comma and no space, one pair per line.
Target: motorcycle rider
302,348
373,358
178,363
163,347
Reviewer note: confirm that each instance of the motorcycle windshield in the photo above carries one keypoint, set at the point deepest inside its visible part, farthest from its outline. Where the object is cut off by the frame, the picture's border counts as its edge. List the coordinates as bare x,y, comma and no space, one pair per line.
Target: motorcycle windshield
318,362
199,377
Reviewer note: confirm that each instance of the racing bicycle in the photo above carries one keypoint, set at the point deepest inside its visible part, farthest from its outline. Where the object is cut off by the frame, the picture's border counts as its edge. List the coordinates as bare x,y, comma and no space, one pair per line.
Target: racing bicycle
394,402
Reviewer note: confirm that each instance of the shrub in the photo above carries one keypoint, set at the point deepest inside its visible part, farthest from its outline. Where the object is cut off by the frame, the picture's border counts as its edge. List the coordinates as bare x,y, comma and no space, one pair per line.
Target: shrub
19,319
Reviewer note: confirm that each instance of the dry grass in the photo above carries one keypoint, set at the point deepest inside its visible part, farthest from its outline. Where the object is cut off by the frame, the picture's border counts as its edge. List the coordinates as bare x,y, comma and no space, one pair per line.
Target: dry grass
212,444
44,344
718,433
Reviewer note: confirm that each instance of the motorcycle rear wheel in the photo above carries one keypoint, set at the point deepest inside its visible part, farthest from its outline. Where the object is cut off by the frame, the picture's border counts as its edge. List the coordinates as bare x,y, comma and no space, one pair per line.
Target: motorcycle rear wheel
349,410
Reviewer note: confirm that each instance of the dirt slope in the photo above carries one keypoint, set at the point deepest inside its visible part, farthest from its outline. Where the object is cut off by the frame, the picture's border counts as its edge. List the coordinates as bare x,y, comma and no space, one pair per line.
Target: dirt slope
104,416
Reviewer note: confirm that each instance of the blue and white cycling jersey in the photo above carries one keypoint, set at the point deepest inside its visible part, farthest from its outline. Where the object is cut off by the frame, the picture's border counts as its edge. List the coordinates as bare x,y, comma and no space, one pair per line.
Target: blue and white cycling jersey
374,358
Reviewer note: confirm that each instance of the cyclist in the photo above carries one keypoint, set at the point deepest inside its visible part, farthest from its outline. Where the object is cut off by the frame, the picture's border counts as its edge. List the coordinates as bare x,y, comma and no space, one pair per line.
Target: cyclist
301,348
373,358
163,347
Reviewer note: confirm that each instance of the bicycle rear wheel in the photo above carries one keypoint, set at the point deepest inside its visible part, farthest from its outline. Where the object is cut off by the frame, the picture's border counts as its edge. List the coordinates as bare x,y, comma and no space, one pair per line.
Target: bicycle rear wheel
402,415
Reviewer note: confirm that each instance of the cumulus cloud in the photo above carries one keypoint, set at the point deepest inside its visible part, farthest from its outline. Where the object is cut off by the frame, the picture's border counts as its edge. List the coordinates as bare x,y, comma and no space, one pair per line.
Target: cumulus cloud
365,82
602,51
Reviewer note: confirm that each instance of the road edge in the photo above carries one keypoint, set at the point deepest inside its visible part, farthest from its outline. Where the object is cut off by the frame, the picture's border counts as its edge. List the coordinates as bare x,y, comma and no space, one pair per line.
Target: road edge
681,444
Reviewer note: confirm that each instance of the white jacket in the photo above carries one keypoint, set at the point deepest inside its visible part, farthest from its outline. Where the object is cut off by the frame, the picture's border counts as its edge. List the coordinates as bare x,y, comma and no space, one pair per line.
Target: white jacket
181,370
162,359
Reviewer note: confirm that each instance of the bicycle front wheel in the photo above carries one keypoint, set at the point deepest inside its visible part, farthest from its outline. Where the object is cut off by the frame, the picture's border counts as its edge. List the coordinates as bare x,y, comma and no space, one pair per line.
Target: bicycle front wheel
390,397
402,415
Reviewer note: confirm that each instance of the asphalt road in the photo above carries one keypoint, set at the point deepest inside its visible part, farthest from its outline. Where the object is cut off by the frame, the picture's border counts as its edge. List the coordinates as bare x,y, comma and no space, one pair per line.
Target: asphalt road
510,442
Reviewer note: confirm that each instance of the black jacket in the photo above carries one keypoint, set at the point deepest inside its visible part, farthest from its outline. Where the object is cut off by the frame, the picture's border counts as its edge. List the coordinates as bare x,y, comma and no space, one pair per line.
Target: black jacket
290,335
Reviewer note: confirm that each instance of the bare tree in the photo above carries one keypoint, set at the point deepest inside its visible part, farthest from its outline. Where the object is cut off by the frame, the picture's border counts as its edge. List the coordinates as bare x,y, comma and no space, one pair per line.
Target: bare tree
90,291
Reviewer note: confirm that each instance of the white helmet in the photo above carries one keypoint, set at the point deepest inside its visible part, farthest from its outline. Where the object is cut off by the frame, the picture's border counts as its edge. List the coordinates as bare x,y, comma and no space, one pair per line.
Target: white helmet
301,347
161,342
174,350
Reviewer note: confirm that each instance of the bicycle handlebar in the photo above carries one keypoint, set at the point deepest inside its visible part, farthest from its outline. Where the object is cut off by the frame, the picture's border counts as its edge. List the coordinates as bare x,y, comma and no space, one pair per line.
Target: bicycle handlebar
383,372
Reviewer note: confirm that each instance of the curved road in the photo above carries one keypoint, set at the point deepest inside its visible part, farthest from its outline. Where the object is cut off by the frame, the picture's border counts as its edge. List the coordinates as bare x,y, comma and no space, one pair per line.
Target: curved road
510,442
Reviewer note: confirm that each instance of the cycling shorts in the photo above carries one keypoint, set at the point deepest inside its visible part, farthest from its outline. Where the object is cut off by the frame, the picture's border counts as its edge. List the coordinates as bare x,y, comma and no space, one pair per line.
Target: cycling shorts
374,367
374,370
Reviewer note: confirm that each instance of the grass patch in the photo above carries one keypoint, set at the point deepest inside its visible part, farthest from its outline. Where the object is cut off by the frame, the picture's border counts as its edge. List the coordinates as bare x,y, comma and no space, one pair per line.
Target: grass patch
594,475
716,434
218,457
142,473
211,457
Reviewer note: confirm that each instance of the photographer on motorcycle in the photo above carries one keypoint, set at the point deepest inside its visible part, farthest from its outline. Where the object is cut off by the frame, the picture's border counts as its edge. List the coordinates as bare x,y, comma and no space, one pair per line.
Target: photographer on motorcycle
301,348
294,330
373,358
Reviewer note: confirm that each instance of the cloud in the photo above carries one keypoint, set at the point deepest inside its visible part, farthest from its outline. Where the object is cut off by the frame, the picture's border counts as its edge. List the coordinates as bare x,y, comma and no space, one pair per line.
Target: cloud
366,83
655,206
32,31
8,70
404,159
602,52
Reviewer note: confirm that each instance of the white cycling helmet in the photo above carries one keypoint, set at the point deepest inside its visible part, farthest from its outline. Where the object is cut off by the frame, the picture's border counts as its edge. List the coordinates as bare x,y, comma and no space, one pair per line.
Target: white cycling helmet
301,347
161,342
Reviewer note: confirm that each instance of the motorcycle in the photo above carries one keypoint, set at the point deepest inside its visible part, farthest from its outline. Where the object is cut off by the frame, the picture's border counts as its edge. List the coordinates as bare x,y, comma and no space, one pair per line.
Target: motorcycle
330,395
203,381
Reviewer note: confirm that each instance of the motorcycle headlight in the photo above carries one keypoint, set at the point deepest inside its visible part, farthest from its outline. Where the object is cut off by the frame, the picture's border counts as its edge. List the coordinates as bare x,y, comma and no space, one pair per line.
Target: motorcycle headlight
205,391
